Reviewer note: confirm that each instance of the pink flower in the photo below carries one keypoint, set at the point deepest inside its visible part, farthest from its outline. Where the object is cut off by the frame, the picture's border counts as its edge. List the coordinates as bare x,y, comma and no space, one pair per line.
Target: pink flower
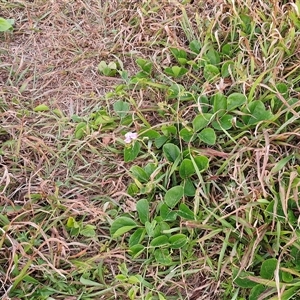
129,136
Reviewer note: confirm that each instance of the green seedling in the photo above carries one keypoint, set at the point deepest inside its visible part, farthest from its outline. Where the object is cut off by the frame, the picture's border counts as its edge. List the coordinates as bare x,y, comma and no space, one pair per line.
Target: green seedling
109,69
6,24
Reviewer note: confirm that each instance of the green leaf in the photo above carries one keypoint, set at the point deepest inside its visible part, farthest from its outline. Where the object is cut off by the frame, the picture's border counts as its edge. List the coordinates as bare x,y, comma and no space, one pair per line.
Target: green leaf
137,237
171,152
149,133
159,141
145,65
182,61
160,241
142,207
41,107
112,65
88,231
81,130
173,195
202,162
256,291
121,226
186,168
195,46
132,189
210,72
161,227
150,227
235,100
175,91
201,121
139,173
186,134
136,250
30,279
282,89
150,168
242,280
168,130
177,241
185,213
131,151
107,70
258,113
287,277
121,108
226,49
88,282
208,136
289,293
281,164
219,104
227,68
5,24
189,188
102,65
213,57
72,223
162,256
167,214
178,53
224,123
268,268
176,71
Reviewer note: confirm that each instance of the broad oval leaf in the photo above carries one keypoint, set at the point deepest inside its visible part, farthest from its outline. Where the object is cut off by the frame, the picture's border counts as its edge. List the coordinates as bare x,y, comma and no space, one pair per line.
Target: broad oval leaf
137,237
142,207
121,108
208,136
224,123
213,57
186,134
171,152
186,168
163,256
136,250
189,188
41,107
219,104
5,24
160,228
258,113
160,241
201,121
268,268
167,214
121,226
235,100
256,291
145,65
173,195
88,231
202,162
210,72
185,213
139,173
195,46
149,133
242,280
131,151
177,241
227,68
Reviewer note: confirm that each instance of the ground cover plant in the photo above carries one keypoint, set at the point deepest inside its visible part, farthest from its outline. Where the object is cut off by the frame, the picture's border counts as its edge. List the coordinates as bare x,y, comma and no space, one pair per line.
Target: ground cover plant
149,149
